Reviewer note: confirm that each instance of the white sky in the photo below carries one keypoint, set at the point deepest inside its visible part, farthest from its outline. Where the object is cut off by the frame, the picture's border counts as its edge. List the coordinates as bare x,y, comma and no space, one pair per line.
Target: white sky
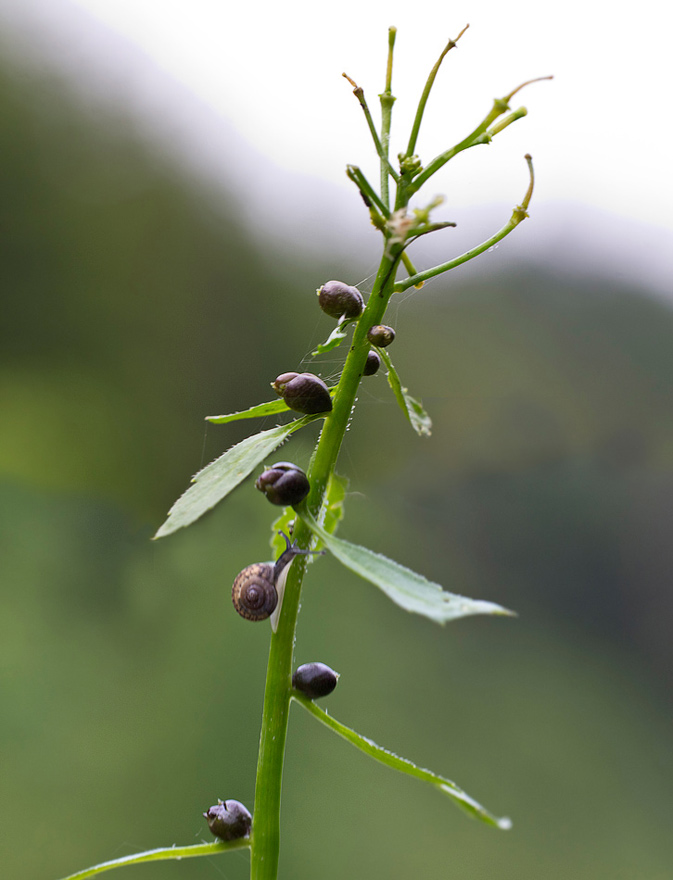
599,133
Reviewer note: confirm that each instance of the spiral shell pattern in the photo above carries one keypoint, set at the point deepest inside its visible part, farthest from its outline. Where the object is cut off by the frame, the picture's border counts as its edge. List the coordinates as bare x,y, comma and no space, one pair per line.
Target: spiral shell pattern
254,592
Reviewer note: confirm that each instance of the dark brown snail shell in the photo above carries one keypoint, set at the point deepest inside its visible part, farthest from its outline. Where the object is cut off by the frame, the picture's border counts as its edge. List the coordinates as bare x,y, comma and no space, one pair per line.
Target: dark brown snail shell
229,820
338,299
254,592
315,680
381,335
303,392
372,364
284,483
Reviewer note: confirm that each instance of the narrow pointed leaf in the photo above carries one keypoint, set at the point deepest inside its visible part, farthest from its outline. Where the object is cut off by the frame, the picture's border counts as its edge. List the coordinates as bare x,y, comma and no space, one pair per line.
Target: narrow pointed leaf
366,745
413,409
167,852
272,408
406,588
217,479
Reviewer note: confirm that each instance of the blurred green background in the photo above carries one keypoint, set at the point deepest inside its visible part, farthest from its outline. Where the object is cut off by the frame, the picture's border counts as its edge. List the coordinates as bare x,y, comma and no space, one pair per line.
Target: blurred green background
134,303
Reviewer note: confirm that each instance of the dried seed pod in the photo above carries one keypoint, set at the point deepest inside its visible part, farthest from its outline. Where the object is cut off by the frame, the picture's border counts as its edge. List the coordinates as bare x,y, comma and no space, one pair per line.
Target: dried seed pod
303,392
380,335
372,364
337,299
229,820
284,483
315,680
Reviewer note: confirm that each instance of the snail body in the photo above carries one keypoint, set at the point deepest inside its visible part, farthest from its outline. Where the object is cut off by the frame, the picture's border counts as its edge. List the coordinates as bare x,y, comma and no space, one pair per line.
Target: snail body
258,590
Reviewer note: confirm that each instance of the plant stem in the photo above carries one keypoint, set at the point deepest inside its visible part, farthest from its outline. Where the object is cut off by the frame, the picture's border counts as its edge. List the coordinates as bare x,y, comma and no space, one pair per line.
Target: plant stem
387,101
426,94
500,106
360,95
265,839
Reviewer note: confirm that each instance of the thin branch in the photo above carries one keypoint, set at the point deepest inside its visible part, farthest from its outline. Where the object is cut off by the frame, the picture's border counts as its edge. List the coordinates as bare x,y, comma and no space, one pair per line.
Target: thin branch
372,201
360,95
432,227
167,852
367,191
370,748
523,86
426,94
518,215
387,100
500,106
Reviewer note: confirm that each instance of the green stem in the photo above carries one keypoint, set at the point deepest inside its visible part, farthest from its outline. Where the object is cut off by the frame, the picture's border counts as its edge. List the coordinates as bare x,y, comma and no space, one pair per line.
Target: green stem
387,101
265,839
426,94
500,106
360,95
373,202
367,191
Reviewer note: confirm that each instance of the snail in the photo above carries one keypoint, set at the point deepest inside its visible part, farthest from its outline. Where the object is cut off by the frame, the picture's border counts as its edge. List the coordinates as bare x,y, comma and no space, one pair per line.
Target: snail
340,300
229,820
284,483
303,392
257,592
315,680
372,364
381,335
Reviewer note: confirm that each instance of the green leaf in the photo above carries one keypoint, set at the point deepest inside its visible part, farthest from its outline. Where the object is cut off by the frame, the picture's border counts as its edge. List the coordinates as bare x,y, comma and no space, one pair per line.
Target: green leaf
333,504
446,786
217,479
413,409
272,408
167,852
335,338
332,511
333,507
282,524
407,589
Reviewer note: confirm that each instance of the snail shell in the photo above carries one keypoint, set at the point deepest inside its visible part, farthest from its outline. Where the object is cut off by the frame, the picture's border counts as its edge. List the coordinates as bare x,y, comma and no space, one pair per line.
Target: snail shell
254,592
259,588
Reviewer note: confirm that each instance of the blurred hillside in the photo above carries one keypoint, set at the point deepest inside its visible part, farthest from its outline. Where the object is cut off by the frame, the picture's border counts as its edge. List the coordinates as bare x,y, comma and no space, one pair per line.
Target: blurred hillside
134,303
